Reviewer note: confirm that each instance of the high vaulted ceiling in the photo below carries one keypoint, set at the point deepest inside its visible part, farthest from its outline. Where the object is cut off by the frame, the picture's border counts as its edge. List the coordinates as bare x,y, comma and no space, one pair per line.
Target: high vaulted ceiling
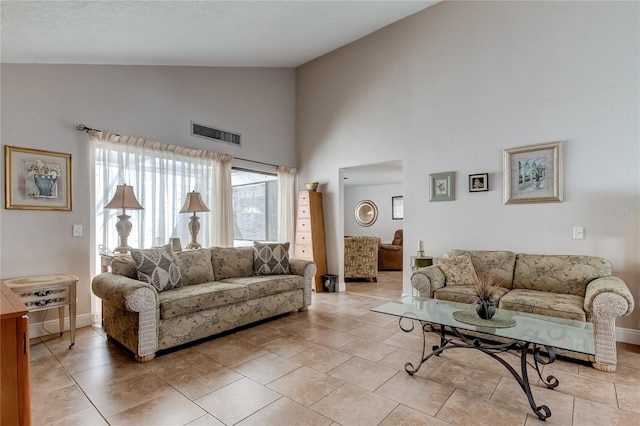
184,32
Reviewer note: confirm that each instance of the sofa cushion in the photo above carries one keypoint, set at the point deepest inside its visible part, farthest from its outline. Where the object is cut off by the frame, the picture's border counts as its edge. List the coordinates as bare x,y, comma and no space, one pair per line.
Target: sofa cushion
271,258
123,265
558,274
198,297
232,262
158,267
498,263
265,285
464,294
195,266
458,270
557,305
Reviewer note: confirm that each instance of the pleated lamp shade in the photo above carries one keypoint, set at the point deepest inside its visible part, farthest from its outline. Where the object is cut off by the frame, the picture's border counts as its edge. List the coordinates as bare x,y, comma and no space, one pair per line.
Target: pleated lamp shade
124,198
194,203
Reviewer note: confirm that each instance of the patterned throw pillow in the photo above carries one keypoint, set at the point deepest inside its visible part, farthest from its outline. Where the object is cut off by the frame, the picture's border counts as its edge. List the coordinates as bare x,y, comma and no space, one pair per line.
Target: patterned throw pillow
158,267
271,259
458,270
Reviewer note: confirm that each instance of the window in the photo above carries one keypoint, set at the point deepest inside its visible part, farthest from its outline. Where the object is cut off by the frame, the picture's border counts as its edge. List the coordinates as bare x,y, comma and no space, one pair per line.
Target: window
255,206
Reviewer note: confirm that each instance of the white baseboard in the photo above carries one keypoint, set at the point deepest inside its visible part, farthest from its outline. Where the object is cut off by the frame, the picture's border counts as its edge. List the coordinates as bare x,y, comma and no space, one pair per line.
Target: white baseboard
53,326
628,335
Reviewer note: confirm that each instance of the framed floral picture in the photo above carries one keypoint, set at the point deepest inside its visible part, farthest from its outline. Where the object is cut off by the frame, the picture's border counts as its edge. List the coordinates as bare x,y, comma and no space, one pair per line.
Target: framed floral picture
533,174
479,182
442,186
37,179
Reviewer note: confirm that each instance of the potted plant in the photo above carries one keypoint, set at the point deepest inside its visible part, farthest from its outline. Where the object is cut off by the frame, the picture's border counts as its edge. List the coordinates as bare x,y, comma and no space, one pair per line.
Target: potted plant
486,288
537,173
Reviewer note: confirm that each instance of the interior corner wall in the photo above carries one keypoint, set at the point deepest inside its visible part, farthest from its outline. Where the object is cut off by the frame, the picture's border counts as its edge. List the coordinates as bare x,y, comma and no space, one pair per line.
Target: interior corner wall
451,87
42,104
385,226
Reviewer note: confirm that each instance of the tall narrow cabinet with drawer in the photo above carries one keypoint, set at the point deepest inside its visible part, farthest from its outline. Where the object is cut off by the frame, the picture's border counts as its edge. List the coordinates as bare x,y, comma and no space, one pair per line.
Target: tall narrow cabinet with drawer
310,234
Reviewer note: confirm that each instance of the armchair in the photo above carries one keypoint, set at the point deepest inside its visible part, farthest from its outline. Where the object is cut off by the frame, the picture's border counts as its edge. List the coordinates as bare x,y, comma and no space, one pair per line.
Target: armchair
361,257
390,255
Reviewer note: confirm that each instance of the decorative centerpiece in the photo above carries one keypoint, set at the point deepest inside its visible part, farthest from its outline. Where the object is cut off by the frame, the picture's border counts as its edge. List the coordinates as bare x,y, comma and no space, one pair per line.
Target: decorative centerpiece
486,288
313,186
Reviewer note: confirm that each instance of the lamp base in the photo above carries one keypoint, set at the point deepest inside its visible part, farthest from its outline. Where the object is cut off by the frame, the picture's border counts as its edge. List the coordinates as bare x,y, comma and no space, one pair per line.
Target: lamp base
122,249
193,246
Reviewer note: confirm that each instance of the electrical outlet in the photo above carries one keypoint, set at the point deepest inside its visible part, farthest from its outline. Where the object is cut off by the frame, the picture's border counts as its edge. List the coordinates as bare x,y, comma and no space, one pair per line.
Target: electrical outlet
77,230
578,233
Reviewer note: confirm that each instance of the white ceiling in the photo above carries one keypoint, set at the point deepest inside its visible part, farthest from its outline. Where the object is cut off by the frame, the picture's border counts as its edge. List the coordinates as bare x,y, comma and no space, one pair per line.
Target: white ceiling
184,32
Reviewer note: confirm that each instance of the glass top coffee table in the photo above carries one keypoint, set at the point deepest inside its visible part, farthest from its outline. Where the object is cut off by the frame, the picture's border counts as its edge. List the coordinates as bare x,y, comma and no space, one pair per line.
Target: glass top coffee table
521,332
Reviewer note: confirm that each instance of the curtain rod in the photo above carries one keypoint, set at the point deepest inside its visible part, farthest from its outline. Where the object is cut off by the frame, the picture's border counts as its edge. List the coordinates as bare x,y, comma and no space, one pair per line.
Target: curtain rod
83,128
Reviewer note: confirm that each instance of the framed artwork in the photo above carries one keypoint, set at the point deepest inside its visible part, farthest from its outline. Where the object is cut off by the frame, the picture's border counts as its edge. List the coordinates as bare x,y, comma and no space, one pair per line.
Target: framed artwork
442,186
533,174
397,207
479,182
37,180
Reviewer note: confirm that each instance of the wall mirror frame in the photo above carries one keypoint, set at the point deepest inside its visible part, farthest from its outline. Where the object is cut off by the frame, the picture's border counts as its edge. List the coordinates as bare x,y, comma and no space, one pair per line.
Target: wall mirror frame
366,213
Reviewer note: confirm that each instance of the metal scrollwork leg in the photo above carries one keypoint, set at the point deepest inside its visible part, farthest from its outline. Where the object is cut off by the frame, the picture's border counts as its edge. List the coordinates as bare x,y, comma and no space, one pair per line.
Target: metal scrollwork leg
551,381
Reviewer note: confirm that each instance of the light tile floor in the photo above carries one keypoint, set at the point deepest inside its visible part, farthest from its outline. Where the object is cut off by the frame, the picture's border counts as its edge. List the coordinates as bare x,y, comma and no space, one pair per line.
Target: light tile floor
337,364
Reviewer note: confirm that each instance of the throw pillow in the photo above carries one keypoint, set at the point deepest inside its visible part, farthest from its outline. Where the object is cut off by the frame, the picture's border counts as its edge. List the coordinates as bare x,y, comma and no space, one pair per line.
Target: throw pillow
158,267
458,270
271,259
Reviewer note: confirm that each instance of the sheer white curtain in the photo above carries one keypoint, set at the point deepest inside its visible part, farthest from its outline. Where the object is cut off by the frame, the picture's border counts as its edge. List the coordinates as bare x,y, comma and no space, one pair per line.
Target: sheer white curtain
161,176
286,204
222,201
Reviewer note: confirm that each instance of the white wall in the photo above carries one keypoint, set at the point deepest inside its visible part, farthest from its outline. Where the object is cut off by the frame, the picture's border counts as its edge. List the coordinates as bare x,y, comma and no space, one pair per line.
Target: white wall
384,226
42,104
450,88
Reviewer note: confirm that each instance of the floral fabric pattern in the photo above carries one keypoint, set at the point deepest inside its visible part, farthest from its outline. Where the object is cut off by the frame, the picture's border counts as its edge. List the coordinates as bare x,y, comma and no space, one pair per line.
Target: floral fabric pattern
123,265
544,303
464,294
499,263
559,274
232,262
195,266
265,285
199,297
458,270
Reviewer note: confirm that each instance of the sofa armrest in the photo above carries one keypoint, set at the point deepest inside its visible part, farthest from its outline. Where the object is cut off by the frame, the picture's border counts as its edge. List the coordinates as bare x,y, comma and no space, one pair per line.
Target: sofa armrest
427,280
125,293
307,269
609,284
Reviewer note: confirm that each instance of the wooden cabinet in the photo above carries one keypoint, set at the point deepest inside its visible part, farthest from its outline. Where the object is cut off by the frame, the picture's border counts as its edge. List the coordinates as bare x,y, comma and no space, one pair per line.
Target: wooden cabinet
15,401
310,244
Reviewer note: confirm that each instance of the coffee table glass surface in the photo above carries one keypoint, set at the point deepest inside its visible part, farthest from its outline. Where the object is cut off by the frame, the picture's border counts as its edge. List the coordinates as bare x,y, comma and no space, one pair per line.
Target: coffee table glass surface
559,333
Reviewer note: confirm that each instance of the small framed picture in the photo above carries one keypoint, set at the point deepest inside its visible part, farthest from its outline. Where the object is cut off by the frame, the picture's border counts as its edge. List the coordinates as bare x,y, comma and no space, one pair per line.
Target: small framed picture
397,208
442,186
479,182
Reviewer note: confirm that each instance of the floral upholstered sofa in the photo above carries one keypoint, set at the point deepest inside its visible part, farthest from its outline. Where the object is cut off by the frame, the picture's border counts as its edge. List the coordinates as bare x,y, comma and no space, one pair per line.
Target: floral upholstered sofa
219,291
574,287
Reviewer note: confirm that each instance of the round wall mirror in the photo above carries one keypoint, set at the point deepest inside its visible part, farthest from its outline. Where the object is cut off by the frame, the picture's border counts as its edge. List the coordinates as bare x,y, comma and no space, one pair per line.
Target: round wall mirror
366,213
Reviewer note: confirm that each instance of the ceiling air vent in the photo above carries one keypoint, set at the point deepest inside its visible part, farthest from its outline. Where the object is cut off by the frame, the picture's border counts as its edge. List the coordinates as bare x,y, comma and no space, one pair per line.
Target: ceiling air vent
212,133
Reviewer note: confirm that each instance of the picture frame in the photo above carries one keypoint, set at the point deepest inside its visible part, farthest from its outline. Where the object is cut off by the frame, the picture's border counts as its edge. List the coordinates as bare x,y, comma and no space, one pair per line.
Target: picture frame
37,180
479,182
533,174
442,186
397,207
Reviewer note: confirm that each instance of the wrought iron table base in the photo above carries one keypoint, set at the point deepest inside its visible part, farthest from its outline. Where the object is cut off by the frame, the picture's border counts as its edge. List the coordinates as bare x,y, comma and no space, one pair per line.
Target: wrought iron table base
458,340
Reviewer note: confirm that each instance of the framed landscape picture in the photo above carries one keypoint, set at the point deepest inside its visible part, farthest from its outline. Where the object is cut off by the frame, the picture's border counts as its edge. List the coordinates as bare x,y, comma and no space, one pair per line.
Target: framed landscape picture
533,174
37,179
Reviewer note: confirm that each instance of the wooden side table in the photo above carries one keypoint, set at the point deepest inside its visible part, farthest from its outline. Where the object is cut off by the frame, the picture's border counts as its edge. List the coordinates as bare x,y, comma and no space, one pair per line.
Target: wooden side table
43,292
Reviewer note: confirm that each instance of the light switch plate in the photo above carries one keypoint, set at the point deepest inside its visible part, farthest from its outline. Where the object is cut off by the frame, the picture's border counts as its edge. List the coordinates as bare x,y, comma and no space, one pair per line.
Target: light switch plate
77,230
578,232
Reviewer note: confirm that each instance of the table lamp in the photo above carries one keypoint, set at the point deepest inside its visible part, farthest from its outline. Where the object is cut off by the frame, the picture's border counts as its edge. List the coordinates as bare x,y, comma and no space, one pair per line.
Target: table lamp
194,204
124,198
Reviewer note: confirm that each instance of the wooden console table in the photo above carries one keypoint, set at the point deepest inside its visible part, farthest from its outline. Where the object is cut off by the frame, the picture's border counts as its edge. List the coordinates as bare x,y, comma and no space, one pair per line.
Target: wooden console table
15,400
43,292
